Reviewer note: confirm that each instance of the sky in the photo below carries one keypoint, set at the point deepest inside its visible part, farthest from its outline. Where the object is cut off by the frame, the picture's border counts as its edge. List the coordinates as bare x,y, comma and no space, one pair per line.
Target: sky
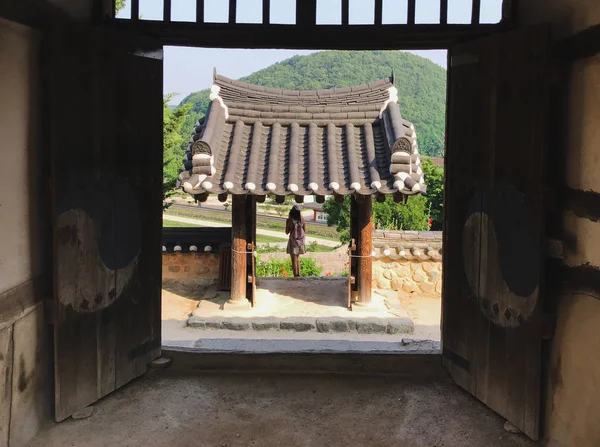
187,70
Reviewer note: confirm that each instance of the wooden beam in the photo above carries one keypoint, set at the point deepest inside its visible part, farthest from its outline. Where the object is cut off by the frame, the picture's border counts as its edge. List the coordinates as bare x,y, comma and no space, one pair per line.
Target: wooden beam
199,11
135,10
338,198
378,12
266,12
582,45
223,197
320,199
355,37
345,12
476,12
380,197
167,10
306,12
202,197
232,11
280,199
299,199
443,12
412,8
261,199
238,250
365,228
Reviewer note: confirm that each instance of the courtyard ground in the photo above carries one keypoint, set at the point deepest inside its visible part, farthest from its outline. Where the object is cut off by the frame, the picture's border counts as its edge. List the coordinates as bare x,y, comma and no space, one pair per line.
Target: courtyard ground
181,298
240,410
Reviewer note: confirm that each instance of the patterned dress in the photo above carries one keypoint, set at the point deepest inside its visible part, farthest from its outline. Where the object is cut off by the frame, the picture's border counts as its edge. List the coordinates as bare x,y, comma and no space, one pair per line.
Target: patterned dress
293,248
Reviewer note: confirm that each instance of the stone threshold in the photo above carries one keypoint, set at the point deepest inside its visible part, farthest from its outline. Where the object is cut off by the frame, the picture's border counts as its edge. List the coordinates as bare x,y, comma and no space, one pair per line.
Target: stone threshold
360,325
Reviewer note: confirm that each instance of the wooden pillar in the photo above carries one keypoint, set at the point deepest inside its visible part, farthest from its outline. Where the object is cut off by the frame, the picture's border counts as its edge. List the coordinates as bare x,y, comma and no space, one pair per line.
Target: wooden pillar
364,249
250,213
238,251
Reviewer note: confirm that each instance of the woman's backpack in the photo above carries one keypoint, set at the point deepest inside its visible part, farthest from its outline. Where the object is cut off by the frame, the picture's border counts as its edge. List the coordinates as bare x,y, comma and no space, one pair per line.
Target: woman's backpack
298,234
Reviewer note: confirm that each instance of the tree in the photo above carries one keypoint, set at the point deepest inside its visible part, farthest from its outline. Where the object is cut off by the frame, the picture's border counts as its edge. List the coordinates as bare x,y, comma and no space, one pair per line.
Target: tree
172,143
338,215
388,215
119,4
434,178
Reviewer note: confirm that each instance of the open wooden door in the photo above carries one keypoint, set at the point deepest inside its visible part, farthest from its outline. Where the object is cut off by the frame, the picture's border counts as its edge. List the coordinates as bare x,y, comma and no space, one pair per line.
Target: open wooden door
491,319
104,91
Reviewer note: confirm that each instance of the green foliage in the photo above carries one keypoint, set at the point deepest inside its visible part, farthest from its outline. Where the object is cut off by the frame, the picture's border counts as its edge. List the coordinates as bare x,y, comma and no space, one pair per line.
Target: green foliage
388,215
421,85
283,269
268,248
273,268
434,178
172,143
338,216
119,4
315,247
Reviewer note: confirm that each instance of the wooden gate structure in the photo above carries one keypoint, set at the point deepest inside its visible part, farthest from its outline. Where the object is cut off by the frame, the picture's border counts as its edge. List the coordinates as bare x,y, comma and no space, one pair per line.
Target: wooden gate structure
107,208
255,142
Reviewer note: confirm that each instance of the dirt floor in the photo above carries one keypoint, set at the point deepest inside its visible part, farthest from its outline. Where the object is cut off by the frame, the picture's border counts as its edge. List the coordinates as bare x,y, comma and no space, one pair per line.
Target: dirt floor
234,410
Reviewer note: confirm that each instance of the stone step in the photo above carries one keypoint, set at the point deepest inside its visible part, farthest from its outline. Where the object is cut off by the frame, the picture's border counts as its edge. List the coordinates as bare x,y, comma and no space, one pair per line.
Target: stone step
360,325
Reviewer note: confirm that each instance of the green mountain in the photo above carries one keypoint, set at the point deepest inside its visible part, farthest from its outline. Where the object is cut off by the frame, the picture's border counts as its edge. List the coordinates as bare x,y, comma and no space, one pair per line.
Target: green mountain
421,86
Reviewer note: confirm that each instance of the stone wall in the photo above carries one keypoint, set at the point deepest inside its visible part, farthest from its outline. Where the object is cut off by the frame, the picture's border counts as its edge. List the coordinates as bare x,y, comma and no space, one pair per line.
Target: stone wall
25,338
193,265
407,261
422,278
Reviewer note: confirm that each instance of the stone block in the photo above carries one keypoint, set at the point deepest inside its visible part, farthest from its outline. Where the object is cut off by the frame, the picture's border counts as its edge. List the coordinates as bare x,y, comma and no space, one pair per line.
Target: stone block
174,268
427,266
265,324
438,286
396,283
236,324
187,268
201,270
335,324
298,324
383,283
400,326
409,286
433,275
387,274
403,271
371,326
419,277
205,323
427,287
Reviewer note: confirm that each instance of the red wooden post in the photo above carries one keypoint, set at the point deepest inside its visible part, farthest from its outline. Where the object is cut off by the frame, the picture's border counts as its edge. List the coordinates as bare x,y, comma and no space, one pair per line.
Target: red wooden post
238,252
365,247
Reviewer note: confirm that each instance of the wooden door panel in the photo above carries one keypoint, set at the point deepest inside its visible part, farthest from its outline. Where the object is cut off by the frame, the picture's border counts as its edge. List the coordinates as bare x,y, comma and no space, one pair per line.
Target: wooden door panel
494,221
106,169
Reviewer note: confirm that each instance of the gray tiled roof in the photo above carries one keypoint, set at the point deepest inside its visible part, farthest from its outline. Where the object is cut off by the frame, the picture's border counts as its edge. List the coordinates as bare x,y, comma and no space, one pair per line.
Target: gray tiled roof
259,140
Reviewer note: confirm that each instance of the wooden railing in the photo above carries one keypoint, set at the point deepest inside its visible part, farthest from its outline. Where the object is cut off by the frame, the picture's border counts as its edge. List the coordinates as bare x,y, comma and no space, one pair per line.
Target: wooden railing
306,32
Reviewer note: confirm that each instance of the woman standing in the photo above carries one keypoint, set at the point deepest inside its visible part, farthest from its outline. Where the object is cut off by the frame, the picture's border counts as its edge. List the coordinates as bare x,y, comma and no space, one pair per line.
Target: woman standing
296,228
